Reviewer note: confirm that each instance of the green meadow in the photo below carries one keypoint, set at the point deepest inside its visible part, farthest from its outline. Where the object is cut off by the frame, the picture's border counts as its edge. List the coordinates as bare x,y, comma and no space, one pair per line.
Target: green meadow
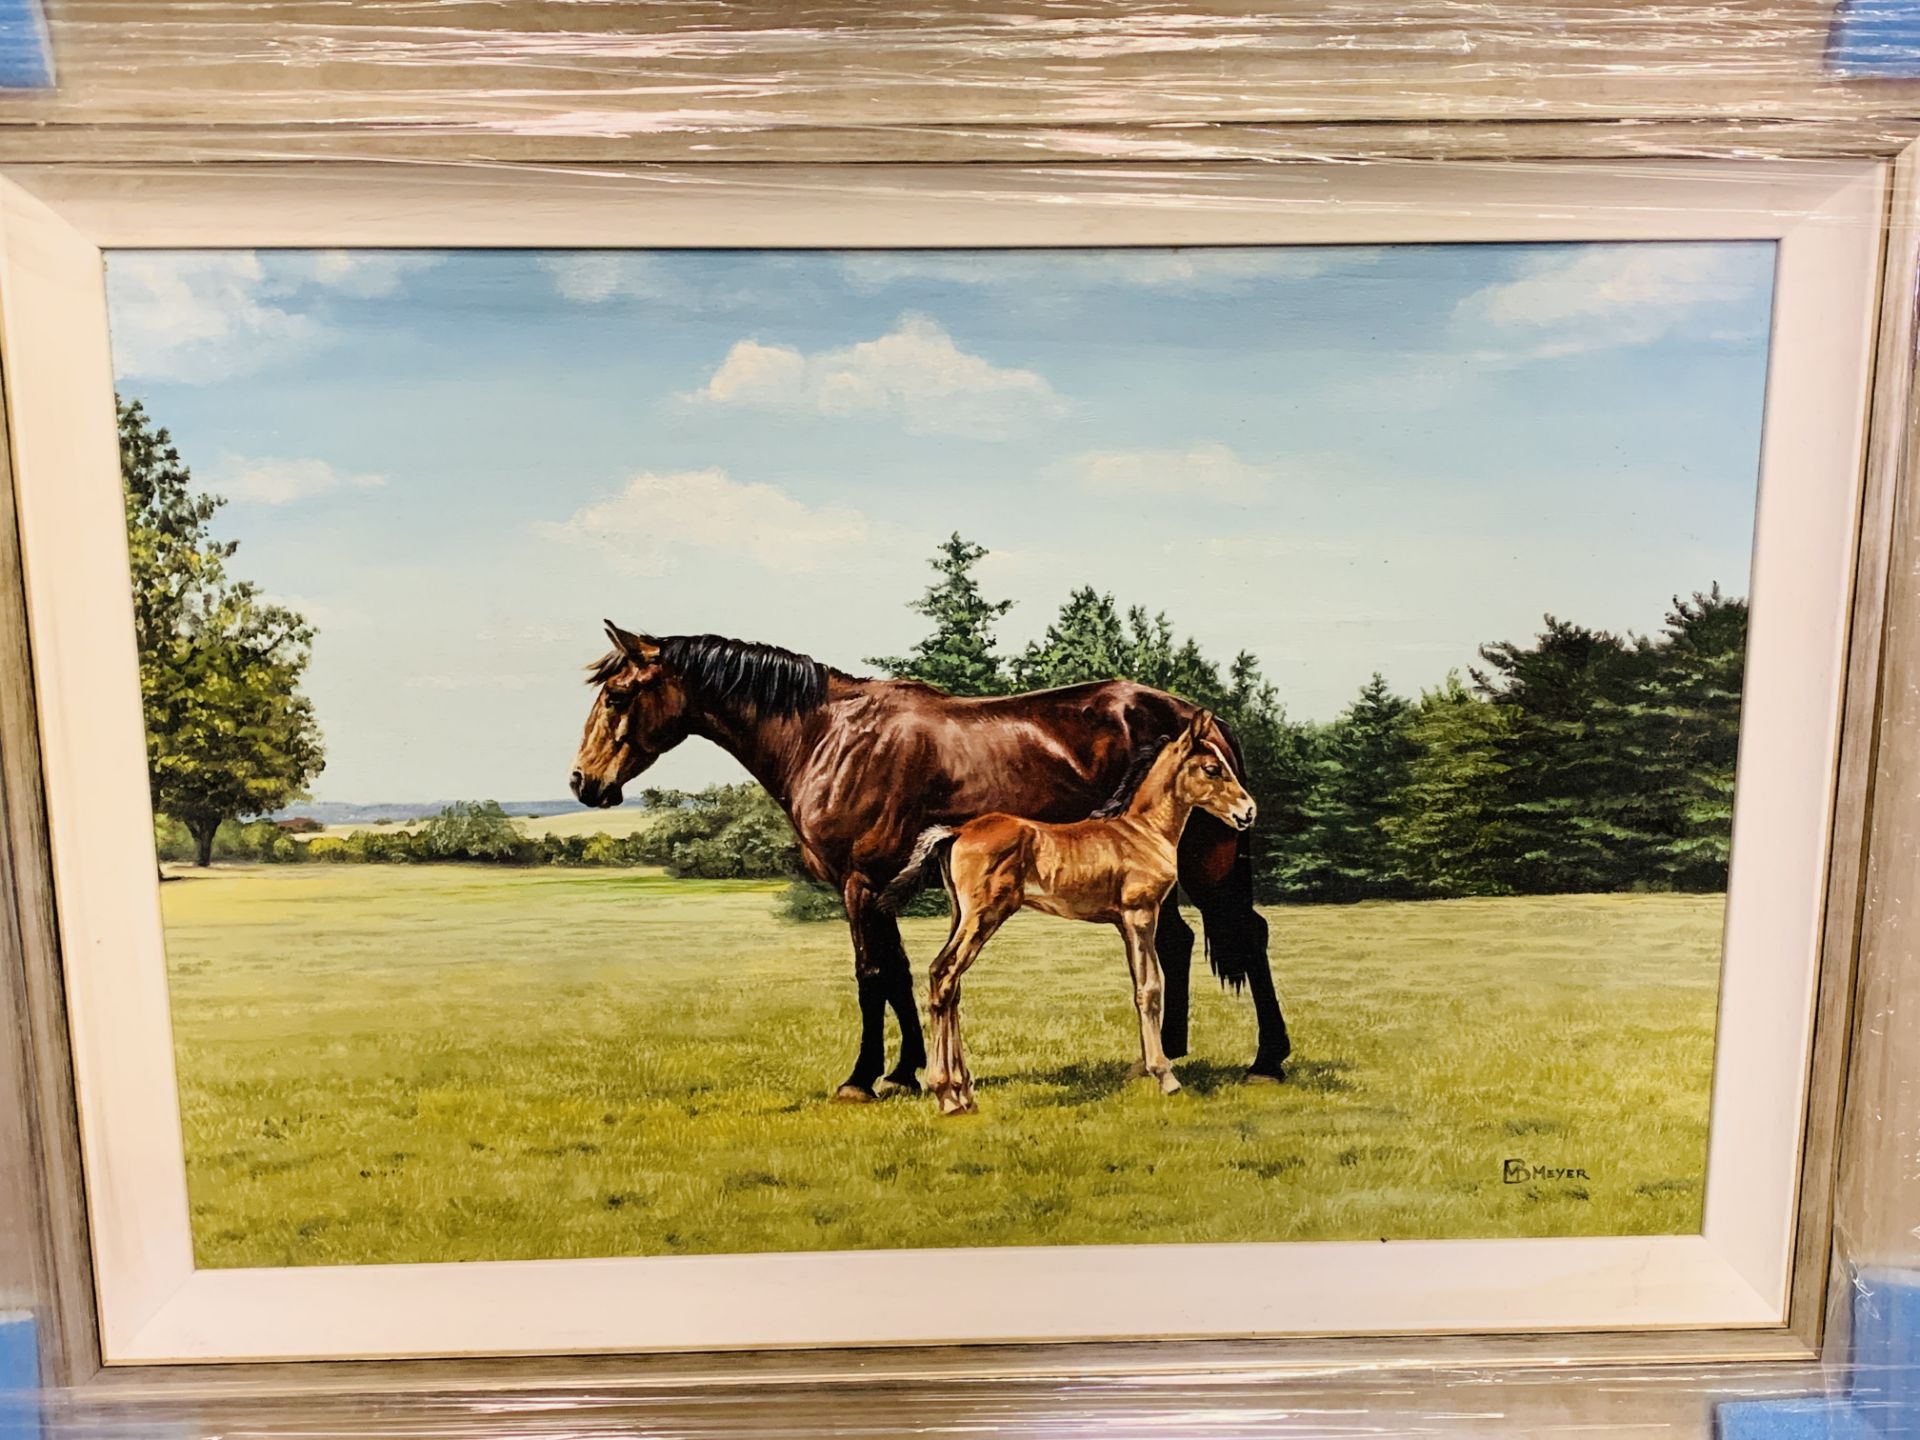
394,1063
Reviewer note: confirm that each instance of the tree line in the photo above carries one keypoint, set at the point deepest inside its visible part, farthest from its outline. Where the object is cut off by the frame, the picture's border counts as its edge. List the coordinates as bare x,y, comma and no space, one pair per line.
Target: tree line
726,832
1578,761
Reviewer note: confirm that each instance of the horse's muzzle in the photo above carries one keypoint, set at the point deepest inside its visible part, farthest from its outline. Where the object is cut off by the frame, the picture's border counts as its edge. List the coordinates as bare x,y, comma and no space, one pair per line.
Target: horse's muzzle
592,793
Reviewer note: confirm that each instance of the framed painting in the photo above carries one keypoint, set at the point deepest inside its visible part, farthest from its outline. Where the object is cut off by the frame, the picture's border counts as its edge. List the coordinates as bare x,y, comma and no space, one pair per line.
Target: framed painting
1353,666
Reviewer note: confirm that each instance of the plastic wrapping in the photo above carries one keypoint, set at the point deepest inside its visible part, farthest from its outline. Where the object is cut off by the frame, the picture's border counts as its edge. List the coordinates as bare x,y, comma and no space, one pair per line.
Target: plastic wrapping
587,98
482,80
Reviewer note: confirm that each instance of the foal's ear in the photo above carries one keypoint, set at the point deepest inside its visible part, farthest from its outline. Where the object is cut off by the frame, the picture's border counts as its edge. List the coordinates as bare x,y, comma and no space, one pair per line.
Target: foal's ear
636,648
1198,726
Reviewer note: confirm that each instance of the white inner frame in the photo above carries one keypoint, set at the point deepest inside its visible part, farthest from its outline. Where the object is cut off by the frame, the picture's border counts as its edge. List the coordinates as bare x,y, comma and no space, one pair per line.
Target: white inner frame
154,1306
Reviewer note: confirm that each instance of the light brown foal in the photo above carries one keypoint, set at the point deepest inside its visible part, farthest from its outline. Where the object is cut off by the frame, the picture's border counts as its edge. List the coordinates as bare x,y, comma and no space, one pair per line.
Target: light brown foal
1114,871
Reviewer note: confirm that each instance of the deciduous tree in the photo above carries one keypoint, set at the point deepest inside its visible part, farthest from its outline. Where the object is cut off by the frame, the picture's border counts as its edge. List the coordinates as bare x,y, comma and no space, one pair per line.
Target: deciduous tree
228,732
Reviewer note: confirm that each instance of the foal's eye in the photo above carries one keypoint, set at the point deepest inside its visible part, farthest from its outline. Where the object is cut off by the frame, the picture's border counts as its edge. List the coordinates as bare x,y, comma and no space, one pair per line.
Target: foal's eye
1214,772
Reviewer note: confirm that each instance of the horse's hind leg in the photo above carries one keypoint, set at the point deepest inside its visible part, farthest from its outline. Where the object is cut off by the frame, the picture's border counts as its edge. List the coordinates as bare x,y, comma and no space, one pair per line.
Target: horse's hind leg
870,976
883,939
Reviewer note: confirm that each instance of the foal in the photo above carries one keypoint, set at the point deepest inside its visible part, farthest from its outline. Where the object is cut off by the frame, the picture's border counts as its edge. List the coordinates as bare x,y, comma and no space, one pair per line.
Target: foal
1113,871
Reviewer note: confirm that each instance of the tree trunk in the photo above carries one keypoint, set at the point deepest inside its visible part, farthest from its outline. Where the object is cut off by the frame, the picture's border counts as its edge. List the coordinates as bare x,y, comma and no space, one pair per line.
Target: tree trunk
203,842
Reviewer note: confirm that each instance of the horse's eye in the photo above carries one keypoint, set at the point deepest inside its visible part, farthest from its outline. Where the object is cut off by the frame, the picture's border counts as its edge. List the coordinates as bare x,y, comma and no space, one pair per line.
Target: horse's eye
617,698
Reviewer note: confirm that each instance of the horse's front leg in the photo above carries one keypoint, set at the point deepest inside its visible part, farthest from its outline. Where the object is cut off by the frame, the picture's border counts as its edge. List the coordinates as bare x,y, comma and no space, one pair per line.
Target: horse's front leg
870,979
1173,943
1216,869
1144,964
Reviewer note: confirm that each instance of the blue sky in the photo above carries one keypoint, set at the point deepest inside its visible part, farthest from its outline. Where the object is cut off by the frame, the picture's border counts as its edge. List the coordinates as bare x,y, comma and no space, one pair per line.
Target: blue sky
1345,459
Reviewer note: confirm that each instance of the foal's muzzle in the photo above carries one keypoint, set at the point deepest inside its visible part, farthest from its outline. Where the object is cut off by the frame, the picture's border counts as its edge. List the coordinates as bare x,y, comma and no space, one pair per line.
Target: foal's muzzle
1243,819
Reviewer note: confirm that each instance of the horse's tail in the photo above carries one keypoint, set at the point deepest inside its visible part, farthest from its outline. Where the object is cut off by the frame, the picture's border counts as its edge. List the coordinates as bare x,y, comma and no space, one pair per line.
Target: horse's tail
908,880
1234,933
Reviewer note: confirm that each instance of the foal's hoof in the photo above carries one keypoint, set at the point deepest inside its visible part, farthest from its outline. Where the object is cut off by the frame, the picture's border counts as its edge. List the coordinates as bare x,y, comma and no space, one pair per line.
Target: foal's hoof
1168,1084
958,1105
851,1094
888,1085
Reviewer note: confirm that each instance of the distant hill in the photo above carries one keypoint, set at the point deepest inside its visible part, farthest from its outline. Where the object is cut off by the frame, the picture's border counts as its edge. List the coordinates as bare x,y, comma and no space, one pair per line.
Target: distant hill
340,812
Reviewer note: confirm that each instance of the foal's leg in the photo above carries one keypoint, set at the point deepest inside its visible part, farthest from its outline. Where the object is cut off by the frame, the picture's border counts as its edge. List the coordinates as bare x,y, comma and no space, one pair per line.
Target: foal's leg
1147,994
940,1057
947,1073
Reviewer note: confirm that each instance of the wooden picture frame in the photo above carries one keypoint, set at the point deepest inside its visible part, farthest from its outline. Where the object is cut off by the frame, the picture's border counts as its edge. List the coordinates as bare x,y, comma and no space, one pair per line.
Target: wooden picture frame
287,206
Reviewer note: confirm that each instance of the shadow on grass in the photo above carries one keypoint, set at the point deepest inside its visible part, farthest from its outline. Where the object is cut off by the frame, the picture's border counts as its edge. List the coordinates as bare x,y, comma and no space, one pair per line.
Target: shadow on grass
1322,1077
1084,1082
1080,1083
1316,1077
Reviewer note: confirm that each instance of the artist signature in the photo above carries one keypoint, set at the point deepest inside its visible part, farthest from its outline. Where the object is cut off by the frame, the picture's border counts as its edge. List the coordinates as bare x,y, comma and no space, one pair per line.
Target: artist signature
1519,1172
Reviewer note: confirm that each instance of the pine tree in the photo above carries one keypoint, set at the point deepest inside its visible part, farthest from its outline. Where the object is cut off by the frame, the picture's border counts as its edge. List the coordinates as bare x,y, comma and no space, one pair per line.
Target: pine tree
1086,642
1690,711
1358,767
960,655
1445,824
1577,816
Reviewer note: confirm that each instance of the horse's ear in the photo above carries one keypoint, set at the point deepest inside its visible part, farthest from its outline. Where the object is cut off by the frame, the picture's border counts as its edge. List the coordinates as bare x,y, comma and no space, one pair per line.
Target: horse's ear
636,648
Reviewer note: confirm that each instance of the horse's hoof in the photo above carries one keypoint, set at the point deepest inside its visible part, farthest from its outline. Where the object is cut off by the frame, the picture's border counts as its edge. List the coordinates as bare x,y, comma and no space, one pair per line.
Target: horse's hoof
851,1094
1262,1077
886,1085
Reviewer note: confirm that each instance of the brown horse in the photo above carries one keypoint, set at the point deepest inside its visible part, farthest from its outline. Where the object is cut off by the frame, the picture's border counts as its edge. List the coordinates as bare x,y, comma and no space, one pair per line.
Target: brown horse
1113,870
862,767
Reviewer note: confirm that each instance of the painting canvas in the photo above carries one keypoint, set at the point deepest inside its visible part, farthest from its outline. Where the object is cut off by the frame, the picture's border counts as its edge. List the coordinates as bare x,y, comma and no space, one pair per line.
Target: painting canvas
592,696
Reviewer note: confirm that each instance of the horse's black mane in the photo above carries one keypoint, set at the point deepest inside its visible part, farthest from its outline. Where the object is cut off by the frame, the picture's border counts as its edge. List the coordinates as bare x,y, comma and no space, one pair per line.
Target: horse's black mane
1137,768
772,680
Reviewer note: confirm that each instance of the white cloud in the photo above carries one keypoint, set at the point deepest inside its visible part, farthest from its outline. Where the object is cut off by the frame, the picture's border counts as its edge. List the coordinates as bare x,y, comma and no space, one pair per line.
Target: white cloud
1203,268
363,274
592,276
1209,470
653,519
283,482
202,317
1588,297
197,319
915,373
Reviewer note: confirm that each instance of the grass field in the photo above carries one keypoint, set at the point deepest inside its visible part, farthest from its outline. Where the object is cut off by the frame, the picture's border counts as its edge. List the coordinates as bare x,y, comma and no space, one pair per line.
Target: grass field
426,1064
